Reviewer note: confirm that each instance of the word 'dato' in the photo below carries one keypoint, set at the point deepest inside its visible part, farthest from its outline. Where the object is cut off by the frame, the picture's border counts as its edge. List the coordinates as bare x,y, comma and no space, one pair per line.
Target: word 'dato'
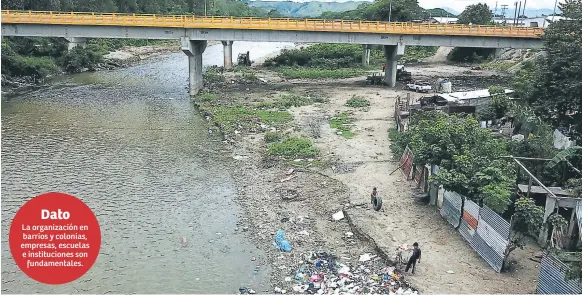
46,214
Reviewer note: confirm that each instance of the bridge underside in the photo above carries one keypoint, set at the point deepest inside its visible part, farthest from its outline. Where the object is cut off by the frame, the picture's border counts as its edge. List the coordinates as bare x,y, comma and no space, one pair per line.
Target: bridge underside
264,36
193,41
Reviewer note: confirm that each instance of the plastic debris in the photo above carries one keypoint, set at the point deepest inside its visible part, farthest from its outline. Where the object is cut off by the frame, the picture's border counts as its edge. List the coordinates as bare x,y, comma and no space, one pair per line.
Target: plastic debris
281,242
450,271
338,216
365,257
322,273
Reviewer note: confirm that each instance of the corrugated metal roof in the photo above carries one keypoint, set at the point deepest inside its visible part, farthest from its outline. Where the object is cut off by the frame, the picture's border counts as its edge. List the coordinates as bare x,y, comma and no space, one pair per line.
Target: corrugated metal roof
540,190
457,96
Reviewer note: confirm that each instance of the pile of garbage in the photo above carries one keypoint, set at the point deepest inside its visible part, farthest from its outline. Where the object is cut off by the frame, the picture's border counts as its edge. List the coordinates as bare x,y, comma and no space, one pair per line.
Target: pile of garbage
321,273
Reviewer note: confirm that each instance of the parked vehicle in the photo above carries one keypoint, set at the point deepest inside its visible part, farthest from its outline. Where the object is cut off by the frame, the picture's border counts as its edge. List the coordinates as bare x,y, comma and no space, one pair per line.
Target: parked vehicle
419,86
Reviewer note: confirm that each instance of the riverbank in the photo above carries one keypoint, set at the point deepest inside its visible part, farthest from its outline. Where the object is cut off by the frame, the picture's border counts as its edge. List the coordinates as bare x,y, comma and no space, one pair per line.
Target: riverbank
279,185
124,57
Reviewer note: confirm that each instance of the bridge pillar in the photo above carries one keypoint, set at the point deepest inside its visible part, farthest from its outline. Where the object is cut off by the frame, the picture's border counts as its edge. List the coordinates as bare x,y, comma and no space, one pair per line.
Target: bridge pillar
76,41
392,53
227,45
194,49
366,49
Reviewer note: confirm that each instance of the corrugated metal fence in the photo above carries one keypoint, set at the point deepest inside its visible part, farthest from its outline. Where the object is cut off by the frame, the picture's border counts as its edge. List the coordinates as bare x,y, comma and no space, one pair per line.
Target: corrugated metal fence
552,278
485,230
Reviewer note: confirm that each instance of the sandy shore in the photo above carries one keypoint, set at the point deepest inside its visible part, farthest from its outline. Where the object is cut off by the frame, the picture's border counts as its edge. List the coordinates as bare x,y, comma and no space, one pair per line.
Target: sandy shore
273,194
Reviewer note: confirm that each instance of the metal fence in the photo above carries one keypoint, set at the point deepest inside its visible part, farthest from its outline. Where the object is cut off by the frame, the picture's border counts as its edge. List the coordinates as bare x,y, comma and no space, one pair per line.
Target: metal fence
485,230
553,280
406,163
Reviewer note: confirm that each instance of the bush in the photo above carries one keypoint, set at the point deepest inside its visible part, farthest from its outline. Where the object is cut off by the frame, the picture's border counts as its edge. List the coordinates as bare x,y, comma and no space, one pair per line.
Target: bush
206,97
80,58
357,102
316,73
273,136
323,56
290,100
293,147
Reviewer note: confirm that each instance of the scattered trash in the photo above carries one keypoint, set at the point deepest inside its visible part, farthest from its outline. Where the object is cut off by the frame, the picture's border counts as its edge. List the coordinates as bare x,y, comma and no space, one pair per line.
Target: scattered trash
365,257
251,291
450,271
322,273
349,234
304,232
243,290
281,243
338,216
288,279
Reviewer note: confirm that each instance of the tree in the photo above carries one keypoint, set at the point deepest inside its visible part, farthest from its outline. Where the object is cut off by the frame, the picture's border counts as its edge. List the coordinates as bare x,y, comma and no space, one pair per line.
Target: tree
469,157
395,10
477,14
557,94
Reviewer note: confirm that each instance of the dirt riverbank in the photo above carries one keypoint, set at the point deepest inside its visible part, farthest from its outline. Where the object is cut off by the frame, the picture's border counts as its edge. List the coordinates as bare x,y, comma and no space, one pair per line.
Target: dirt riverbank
280,194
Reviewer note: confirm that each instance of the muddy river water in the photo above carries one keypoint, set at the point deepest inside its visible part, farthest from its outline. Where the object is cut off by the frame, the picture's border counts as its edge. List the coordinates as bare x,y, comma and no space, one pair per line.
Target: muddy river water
131,145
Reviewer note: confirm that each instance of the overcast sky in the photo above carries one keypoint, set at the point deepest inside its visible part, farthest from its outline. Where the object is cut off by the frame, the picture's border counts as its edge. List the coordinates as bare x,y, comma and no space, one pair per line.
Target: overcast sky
460,5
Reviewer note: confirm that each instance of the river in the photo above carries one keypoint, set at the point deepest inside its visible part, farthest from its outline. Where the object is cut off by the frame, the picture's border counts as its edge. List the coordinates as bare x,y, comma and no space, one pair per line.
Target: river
132,146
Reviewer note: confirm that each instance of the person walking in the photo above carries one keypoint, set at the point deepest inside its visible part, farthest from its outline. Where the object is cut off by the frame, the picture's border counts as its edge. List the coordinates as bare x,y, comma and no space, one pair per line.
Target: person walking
373,196
415,257
384,67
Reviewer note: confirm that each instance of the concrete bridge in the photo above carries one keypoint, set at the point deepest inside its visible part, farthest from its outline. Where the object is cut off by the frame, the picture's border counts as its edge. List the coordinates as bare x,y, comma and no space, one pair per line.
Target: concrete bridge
194,31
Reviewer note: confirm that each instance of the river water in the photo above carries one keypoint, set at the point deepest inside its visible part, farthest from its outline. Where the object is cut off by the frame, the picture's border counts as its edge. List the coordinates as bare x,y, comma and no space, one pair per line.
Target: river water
131,145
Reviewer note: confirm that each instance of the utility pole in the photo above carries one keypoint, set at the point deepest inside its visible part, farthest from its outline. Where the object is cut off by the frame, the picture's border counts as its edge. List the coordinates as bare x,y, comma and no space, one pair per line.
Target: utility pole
495,12
554,14
515,16
523,10
390,12
503,10
519,13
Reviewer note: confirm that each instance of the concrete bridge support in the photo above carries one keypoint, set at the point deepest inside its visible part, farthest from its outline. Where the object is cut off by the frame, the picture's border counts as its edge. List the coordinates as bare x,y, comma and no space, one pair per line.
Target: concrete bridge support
393,53
194,50
76,41
227,45
366,50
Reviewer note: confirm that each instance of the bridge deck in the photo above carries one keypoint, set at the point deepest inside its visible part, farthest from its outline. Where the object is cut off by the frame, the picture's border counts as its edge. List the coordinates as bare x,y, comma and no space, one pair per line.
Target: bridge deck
253,23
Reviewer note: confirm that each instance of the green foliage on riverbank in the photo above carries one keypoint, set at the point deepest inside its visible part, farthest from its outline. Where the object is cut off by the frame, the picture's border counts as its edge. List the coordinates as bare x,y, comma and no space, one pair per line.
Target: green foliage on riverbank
343,124
292,148
357,102
416,53
240,118
286,101
40,57
317,73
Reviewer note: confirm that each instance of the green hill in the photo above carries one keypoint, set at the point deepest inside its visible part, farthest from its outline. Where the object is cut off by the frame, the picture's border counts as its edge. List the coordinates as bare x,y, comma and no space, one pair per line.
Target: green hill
305,9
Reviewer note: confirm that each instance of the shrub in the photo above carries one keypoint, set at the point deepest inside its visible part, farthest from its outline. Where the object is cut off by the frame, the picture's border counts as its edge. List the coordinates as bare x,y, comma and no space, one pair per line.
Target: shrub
273,136
293,147
357,102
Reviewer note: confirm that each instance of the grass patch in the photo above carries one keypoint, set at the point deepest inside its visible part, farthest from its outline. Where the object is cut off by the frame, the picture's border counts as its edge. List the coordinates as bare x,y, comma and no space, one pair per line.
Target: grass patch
206,97
293,147
357,102
317,73
273,136
290,100
242,118
498,65
342,123
213,75
249,76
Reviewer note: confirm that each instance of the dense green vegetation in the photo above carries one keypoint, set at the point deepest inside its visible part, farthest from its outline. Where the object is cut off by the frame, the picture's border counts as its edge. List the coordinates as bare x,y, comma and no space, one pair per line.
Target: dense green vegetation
304,9
335,60
40,57
402,11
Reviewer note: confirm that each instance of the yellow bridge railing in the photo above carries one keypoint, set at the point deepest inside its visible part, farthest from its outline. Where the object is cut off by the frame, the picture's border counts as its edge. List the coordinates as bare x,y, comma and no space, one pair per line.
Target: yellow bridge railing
253,23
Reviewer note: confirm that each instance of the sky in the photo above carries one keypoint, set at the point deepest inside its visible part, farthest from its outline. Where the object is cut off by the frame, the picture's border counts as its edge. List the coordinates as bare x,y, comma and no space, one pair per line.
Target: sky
459,5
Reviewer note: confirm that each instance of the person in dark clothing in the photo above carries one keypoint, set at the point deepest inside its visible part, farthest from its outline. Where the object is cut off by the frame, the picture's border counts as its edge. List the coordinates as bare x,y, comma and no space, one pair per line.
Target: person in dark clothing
415,257
373,195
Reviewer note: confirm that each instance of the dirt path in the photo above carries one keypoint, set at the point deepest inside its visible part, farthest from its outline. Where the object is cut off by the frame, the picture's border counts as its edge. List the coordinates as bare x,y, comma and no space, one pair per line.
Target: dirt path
355,166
